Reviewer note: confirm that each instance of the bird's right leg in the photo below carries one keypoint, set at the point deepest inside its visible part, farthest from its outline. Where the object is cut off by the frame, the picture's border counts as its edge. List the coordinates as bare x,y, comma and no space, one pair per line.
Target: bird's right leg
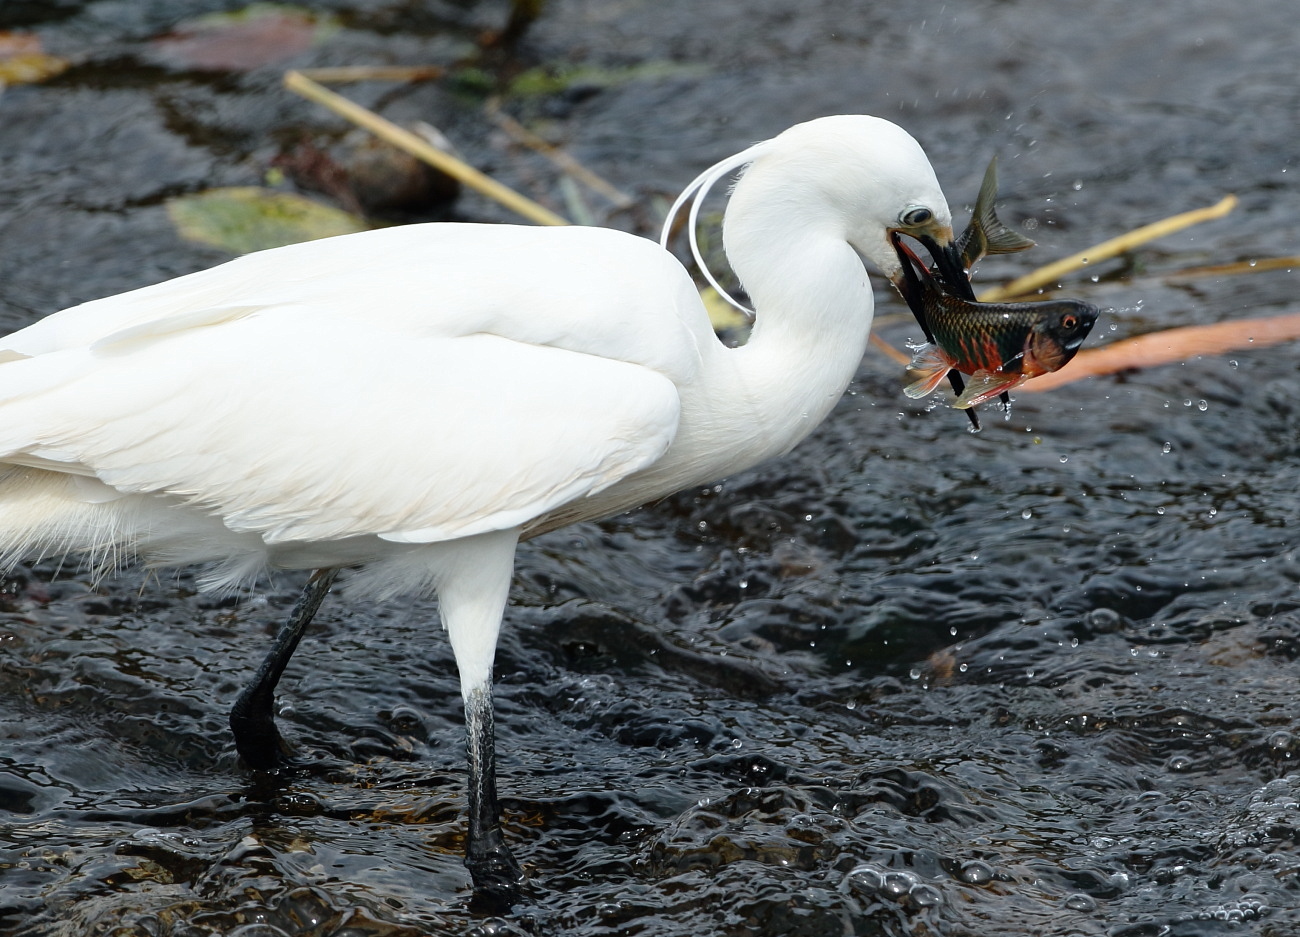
252,718
474,584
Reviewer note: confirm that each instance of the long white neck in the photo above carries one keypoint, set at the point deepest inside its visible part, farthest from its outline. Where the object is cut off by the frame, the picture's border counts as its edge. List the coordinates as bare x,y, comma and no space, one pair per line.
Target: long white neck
813,310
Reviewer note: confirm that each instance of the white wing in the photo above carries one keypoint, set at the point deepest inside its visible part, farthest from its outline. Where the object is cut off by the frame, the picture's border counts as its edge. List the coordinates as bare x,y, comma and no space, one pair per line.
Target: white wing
592,290
325,436
381,384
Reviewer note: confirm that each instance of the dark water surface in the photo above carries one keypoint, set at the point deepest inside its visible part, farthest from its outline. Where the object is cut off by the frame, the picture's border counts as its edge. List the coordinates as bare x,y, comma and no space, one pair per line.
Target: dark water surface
905,681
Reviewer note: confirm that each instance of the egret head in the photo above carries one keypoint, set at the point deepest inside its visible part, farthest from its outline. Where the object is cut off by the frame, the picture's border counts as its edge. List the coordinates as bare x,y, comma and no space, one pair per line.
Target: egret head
878,183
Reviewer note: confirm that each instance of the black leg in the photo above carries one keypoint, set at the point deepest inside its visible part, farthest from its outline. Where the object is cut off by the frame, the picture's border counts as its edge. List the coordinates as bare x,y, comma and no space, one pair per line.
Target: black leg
494,871
252,718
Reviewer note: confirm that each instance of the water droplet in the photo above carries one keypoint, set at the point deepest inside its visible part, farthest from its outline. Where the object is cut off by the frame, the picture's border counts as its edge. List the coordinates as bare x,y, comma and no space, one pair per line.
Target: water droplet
915,673
851,704
1064,459
1160,510
1077,184
1167,448
1081,903
1026,514
1187,403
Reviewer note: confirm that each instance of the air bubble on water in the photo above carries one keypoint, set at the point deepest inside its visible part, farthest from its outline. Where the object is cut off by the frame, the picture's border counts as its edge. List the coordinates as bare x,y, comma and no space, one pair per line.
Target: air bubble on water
899,883
1077,184
1202,405
1081,902
1026,514
1064,459
1187,402
1232,362
1160,510
914,673
925,896
1253,261
976,872
1167,448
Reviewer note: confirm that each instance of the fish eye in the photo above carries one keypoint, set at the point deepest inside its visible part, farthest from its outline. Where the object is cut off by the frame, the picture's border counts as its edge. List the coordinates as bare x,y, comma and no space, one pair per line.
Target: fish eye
916,216
1069,321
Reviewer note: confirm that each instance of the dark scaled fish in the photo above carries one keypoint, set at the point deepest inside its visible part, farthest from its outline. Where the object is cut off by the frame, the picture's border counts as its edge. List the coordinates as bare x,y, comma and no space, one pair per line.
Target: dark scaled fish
998,345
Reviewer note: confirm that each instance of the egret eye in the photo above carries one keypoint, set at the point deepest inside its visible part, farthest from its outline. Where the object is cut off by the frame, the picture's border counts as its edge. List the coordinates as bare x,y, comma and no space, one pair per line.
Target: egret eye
916,216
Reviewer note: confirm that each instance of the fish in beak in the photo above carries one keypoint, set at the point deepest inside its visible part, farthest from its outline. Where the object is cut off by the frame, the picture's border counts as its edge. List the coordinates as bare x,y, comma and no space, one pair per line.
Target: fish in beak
953,261
949,271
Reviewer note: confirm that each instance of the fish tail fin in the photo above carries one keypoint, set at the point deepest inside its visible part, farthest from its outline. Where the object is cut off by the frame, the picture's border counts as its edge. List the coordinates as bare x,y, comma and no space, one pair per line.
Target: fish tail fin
1000,238
930,364
985,385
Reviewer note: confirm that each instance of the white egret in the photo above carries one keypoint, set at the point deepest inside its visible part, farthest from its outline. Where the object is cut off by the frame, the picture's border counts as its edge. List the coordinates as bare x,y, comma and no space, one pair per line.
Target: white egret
411,402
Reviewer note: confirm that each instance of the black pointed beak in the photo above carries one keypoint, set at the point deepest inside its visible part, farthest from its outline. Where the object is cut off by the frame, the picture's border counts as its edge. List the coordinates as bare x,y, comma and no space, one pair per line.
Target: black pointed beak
949,266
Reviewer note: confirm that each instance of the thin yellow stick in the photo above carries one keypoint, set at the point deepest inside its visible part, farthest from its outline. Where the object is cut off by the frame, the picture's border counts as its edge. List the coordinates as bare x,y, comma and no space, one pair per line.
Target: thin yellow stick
348,73
559,157
1227,270
1106,250
405,140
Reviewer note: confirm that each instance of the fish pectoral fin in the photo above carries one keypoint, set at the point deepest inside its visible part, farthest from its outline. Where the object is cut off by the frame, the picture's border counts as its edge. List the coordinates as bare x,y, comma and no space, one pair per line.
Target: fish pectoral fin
930,365
985,385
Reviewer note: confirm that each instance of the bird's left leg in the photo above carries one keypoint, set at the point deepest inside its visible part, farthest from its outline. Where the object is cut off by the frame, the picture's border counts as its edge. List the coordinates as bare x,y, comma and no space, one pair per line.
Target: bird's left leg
252,718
